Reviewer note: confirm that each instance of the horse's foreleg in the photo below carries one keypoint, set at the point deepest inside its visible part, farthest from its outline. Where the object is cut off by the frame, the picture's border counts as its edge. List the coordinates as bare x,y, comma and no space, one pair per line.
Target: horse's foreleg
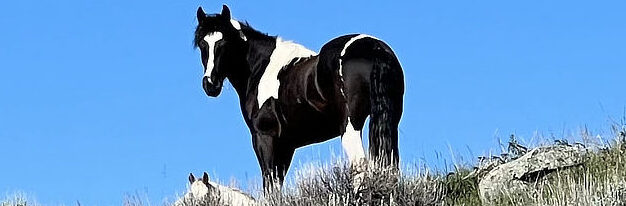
282,158
267,129
273,158
264,149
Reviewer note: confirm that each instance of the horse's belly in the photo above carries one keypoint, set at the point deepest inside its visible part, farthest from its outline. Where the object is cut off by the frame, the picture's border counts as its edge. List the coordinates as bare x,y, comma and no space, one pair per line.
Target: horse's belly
306,126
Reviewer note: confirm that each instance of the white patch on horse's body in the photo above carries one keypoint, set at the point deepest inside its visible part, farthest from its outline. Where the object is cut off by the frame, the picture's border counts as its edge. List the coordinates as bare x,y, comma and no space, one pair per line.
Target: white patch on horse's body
352,143
284,52
211,39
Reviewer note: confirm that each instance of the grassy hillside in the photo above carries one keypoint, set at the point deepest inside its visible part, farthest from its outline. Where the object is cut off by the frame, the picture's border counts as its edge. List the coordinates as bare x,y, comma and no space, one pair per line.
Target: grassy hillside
599,180
18,199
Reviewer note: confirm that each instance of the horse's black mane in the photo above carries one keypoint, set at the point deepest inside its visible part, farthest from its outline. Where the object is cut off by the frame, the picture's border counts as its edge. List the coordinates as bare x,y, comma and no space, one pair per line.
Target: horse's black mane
249,32
252,33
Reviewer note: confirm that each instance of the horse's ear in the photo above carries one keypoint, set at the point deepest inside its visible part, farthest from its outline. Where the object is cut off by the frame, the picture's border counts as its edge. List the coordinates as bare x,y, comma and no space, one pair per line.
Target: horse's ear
191,178
225,11
200,15
205,178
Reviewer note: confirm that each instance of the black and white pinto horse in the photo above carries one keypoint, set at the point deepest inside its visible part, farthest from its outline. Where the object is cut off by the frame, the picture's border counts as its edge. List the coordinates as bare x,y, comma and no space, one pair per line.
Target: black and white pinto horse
292,97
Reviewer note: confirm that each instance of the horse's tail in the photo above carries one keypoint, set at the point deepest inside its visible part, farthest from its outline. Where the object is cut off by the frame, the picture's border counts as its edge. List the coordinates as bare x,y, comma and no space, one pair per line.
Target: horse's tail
386,96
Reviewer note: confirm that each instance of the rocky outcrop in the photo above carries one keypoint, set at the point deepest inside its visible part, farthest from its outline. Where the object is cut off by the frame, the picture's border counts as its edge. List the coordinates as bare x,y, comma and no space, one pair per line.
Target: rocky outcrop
521,173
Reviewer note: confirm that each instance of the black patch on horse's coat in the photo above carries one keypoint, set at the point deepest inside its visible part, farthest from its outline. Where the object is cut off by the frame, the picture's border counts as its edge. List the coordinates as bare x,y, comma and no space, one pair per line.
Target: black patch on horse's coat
314,100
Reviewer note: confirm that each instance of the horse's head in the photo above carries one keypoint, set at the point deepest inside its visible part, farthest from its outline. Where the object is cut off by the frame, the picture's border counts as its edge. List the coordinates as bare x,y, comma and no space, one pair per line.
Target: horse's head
199,188
221,44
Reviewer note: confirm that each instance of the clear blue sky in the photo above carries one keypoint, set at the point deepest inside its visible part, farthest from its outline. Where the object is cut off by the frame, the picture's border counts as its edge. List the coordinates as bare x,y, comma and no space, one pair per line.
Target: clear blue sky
103,98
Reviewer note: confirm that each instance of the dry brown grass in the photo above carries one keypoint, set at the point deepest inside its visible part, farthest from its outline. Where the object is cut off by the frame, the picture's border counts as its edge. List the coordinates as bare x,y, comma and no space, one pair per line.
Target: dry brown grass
601,180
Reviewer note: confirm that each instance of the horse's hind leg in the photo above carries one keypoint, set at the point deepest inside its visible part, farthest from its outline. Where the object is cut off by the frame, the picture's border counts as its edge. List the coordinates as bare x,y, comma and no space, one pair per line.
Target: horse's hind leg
355,89
352,143
356,92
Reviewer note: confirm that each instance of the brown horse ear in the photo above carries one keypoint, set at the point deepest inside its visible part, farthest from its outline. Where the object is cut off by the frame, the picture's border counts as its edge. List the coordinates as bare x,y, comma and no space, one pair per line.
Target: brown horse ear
191,178
200,15
225,11
205,178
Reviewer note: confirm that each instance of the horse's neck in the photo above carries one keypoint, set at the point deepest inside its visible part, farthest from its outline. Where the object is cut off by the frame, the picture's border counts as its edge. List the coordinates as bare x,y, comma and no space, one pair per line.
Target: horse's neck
240,82
258,53
232,195
265,58
241,77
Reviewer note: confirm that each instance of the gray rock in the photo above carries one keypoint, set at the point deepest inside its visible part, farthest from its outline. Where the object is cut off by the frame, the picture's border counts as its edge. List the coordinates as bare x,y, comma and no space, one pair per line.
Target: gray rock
520,174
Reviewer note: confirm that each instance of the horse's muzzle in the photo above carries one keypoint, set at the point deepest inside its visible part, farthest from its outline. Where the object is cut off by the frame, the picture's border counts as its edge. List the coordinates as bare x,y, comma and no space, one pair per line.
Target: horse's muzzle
211,89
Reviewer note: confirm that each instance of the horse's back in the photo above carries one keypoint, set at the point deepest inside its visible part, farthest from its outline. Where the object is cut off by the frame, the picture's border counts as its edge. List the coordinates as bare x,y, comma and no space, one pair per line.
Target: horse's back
350,47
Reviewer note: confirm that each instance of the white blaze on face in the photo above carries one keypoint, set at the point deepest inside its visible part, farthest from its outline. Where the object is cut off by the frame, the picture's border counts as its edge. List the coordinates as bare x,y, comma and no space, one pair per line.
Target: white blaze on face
211,39
352,143
284,52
